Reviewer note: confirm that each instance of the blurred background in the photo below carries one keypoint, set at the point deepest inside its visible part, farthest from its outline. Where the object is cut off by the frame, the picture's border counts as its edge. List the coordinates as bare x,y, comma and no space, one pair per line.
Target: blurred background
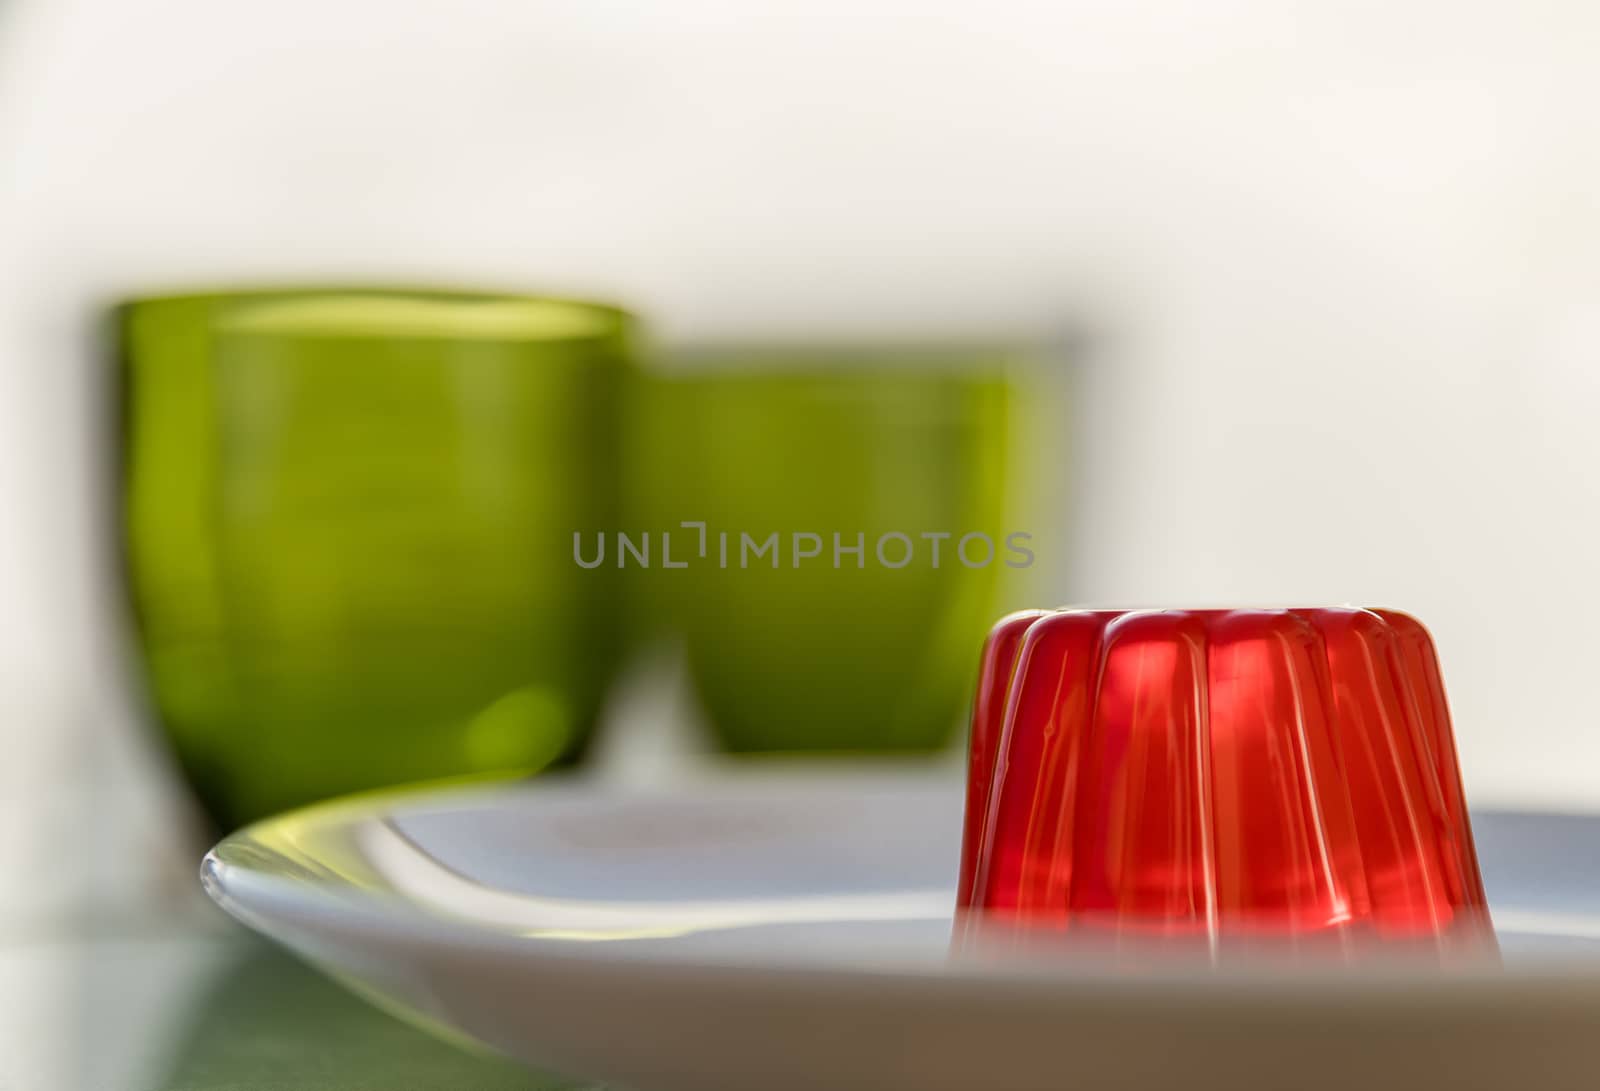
1307,293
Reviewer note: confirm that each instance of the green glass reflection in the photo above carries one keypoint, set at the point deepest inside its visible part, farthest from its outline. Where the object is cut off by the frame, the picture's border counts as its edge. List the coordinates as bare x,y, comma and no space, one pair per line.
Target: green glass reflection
348,519
862,653
269,1023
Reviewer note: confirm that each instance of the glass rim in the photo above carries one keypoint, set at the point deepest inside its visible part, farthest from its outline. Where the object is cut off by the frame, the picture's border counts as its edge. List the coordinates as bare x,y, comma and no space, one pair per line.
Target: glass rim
864,359
586,319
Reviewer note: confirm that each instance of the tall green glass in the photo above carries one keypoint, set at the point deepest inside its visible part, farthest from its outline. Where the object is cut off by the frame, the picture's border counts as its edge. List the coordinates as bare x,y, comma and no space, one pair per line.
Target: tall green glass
348,519
899,453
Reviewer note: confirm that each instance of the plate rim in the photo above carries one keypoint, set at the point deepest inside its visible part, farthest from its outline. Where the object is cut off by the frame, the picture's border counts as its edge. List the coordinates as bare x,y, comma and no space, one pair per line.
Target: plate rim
275,904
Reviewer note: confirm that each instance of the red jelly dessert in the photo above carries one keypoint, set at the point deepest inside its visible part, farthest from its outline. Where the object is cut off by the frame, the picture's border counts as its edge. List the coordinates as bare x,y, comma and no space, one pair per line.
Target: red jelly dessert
1209,772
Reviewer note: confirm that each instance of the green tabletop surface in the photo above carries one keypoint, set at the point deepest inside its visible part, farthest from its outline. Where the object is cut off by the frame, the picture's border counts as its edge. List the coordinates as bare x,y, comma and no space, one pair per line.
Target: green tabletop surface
204,1006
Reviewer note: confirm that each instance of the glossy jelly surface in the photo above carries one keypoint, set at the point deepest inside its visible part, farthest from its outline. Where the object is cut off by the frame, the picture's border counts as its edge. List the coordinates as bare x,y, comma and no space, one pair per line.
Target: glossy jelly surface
1215,773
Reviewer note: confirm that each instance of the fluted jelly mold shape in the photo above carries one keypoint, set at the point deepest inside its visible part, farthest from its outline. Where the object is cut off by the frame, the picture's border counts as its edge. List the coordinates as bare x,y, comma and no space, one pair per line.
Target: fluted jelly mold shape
1216,772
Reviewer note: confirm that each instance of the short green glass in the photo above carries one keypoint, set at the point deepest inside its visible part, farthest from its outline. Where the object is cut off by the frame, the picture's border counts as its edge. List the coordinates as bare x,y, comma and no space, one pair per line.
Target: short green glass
898,452
347,524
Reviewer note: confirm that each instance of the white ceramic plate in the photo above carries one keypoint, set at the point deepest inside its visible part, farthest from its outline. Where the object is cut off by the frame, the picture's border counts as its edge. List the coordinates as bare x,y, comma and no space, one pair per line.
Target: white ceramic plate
753,931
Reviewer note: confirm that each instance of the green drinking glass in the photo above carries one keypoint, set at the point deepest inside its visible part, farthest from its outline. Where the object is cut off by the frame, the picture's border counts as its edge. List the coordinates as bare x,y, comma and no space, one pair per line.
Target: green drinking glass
900,453
347,520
